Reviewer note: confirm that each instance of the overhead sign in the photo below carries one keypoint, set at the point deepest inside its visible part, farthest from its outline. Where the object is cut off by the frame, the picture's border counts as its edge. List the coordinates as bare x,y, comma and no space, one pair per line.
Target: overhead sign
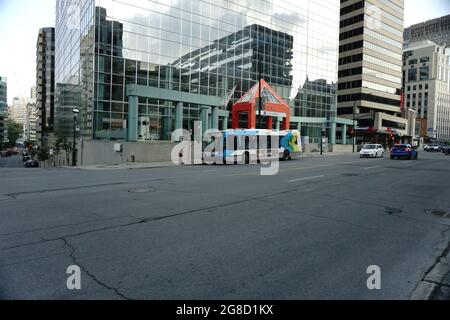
271,114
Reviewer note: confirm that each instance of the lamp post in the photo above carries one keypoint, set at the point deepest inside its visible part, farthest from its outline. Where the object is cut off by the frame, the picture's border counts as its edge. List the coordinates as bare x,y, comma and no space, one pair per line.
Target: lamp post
260,102
75,114
354,126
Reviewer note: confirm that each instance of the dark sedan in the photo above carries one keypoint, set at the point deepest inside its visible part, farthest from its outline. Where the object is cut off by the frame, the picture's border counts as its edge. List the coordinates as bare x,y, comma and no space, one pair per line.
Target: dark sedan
405,151
32,164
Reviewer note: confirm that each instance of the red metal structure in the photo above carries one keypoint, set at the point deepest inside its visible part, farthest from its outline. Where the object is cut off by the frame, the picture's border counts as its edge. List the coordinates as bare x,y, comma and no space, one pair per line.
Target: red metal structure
274,105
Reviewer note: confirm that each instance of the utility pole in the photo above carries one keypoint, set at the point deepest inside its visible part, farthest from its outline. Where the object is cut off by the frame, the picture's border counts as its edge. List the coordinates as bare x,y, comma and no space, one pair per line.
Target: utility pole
354,126
74,159
260,102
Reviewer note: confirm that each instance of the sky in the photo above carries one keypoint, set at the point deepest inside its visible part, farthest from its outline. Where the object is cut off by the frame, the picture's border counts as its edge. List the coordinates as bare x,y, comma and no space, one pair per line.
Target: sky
20,21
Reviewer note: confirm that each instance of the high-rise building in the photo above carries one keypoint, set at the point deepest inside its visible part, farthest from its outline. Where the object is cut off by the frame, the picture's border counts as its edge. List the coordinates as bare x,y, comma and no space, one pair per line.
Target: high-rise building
45,84
33,93
370,68
18,110
199,52
29,128
436,30
3,108
426,75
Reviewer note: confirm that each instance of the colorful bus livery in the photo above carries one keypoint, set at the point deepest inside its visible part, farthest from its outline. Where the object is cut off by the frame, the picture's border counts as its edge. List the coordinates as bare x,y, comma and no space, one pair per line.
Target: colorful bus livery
254,145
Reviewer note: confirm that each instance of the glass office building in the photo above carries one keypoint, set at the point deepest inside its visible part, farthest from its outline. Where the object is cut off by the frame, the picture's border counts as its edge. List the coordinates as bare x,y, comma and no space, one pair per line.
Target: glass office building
3,108
209,48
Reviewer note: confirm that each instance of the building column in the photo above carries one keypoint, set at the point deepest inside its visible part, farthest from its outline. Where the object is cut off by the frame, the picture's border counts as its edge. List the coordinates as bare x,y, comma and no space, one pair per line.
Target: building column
225,123
269,123
133,118
179,118
344,134
299,126
333,133
215,118
204,117
278,124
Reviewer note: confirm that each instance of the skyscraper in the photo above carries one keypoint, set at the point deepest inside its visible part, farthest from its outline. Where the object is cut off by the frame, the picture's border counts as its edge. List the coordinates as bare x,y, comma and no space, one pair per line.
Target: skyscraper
45,84
436,30
209,49
3,108
18,110
370,62
426,69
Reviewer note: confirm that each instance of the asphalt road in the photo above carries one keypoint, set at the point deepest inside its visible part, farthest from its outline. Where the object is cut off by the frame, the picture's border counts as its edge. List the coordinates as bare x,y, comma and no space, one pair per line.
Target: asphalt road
224,232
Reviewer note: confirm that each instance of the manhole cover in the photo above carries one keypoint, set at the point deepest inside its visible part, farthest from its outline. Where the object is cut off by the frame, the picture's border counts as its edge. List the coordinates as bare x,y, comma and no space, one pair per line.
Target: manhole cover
393,210
439,213
142,190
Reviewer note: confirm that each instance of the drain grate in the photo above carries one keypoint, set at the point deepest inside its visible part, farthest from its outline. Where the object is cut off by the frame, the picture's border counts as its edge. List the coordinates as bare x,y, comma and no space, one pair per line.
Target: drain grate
439,213
142,190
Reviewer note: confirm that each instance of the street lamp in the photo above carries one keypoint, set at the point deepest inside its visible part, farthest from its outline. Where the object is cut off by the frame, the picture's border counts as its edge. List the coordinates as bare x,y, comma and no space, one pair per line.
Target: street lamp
75,114
354,126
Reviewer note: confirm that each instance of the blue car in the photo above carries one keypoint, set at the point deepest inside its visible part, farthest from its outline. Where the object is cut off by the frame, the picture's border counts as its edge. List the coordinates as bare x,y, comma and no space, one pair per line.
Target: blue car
404,151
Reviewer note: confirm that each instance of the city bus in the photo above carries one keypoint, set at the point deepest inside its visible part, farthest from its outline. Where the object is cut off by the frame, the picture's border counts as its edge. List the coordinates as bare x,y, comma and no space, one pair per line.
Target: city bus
254,145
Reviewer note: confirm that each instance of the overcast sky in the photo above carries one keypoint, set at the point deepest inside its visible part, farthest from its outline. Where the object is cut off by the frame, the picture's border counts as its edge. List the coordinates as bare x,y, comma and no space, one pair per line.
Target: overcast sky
20,21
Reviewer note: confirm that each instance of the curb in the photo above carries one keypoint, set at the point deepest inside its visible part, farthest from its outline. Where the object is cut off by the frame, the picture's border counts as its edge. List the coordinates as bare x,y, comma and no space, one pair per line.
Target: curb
436,283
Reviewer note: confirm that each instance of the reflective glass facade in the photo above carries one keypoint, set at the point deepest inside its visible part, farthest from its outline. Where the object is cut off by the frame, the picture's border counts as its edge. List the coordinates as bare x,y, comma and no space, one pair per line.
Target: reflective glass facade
201,47
3,107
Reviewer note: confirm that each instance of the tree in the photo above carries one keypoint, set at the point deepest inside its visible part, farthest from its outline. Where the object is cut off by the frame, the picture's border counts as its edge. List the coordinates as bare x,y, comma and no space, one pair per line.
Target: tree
43,154
14,131
63,144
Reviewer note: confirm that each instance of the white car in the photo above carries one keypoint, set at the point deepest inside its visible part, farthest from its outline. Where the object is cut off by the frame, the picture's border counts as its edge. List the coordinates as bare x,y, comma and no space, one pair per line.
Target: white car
372,151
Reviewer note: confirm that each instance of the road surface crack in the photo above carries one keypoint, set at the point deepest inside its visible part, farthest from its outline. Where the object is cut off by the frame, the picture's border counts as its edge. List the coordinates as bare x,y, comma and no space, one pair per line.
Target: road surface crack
438,284
91,275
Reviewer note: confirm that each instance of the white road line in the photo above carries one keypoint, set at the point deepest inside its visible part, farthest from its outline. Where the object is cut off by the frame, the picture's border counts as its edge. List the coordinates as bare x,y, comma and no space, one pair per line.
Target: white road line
309,178
368,168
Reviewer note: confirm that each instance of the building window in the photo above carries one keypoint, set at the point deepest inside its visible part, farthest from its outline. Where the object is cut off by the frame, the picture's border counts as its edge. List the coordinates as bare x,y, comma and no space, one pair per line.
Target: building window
424,59
412,61
424,73
412,74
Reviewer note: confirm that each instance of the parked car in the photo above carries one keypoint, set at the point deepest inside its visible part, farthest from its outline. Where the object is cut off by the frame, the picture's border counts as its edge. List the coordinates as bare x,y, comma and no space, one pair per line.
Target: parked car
372,151
433,148
26,158
32,164
404,151
4,154
446,150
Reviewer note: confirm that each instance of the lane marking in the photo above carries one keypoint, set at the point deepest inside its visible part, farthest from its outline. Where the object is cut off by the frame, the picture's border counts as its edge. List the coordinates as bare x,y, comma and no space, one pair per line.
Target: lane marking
374,167
282,170
309,178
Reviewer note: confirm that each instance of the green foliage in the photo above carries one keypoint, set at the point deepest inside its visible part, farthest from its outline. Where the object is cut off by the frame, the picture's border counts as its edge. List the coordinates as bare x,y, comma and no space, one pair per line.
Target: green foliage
43,154
14,131
63,144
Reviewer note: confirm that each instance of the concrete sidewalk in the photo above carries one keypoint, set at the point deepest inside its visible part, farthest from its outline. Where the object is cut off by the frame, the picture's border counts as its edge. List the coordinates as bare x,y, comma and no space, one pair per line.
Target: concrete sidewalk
125,166
129,166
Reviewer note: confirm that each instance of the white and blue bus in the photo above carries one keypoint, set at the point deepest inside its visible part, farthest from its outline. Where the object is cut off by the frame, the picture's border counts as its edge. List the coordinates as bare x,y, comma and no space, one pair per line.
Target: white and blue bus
254,145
